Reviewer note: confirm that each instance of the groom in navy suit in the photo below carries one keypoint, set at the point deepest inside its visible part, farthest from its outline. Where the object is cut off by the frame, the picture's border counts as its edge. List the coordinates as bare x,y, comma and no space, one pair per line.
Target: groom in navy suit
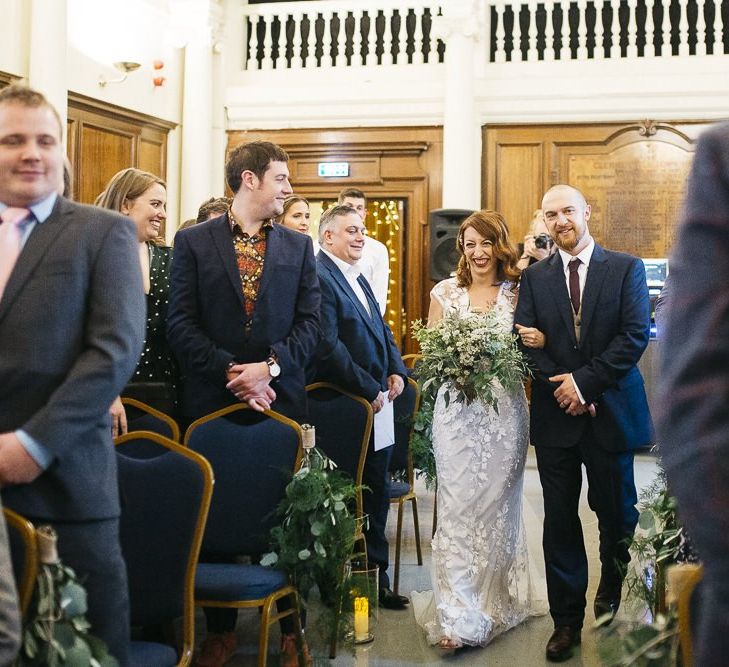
588,405
358,351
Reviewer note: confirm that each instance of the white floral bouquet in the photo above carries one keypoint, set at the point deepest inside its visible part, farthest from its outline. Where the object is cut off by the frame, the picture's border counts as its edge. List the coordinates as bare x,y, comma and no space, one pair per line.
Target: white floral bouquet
474,355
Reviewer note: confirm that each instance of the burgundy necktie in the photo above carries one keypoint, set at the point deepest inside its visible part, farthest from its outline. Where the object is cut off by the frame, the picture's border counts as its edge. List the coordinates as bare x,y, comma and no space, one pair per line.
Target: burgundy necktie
575,283
10,235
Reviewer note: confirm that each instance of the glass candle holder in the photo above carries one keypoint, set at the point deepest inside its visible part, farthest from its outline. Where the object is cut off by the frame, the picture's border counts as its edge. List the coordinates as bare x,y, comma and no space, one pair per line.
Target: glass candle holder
363,589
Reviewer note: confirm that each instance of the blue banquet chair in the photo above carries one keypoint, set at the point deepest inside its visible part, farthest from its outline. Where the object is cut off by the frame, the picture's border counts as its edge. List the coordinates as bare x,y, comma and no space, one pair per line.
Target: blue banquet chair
253,455
343,425
165,497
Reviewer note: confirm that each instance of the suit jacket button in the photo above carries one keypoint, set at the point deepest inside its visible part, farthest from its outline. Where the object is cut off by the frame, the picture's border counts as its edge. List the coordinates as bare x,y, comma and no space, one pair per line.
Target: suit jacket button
574,347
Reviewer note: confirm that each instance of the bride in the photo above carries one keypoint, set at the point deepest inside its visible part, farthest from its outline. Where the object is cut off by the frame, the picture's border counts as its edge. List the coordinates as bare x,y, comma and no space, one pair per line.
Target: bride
484,577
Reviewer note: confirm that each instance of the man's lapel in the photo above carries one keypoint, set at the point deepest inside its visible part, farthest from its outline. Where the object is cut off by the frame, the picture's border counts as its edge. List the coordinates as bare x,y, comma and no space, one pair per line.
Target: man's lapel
274,246
596,273
223,241
342,282
40,240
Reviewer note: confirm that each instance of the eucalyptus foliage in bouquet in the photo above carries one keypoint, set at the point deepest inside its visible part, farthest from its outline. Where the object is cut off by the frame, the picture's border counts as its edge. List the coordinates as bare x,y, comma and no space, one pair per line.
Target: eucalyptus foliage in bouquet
316,535
474,355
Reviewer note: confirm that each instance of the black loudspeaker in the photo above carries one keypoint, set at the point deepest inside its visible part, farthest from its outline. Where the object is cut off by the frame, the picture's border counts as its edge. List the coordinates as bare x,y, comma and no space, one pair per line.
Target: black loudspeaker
444,224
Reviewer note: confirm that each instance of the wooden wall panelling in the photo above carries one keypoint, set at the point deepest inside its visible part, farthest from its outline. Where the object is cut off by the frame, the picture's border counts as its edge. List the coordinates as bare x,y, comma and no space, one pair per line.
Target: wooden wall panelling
102,152
104,138
634,184
519,168
399,163
633,174
152,151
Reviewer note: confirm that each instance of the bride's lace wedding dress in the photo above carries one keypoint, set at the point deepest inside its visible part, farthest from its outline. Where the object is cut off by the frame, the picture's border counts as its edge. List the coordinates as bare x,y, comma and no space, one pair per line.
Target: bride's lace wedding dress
485,578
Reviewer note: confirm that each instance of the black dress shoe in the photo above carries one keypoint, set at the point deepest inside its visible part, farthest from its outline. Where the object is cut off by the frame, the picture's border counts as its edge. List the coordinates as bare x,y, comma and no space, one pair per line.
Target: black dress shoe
560,644
390,600
607,601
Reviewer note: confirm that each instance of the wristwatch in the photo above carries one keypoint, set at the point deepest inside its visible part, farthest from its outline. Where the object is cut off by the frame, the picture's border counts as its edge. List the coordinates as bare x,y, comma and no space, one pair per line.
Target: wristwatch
273,368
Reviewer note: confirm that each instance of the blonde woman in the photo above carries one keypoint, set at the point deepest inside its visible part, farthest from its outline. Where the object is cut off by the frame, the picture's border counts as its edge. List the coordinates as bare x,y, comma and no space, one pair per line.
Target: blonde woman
143,197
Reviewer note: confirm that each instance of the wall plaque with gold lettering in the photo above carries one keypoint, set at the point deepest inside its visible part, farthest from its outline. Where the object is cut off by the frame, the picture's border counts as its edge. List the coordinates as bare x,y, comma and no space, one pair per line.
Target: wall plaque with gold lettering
636,192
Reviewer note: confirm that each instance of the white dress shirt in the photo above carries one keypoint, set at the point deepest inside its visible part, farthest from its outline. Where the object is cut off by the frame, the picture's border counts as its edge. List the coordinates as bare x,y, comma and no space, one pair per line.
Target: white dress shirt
375,266
584,257
582,269
351,272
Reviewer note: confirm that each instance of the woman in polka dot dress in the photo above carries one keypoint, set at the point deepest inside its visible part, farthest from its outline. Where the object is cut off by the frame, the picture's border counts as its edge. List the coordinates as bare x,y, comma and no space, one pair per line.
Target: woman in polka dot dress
143,197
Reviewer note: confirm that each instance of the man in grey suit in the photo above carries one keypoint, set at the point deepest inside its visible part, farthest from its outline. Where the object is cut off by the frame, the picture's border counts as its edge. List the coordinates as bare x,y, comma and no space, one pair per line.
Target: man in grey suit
71,332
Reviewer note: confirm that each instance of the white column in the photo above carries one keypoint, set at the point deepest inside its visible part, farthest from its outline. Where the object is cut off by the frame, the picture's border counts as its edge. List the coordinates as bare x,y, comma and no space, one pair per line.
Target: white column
459,28
196,167
47,53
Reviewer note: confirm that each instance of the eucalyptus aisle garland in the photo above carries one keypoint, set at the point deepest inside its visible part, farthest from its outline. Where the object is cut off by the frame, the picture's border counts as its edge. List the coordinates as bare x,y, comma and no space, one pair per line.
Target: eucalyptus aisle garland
316,535
57,632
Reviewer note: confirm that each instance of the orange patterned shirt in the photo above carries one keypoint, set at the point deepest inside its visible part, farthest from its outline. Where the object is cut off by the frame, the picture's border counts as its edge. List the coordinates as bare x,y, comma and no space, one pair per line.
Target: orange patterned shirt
250,254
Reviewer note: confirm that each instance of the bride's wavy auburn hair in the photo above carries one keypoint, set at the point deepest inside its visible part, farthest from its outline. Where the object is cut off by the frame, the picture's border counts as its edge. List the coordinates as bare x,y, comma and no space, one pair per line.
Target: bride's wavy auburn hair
492,226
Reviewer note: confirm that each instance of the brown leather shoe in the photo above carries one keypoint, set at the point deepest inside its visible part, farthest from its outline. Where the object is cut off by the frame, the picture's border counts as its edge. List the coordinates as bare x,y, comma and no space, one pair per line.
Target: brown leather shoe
560,644
216,649
290,654
607,601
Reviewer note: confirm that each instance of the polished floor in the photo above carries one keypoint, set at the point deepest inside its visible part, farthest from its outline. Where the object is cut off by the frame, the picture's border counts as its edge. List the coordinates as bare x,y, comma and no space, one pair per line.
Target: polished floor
398,640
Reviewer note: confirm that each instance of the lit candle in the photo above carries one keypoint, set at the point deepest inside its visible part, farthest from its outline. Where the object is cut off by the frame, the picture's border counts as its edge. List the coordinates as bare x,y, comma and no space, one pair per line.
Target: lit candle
361,619
308,433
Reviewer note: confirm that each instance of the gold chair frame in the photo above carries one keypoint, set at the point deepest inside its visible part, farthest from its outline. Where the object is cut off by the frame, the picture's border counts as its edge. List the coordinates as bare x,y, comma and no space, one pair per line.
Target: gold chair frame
162,416
31,563
409,496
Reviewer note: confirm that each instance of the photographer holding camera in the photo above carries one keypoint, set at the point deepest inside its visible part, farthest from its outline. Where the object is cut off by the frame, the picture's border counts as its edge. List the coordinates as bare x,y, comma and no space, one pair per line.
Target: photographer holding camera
538,244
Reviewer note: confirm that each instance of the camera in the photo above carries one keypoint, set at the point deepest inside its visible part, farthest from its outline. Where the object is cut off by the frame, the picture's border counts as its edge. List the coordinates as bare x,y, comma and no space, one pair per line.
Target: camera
543,241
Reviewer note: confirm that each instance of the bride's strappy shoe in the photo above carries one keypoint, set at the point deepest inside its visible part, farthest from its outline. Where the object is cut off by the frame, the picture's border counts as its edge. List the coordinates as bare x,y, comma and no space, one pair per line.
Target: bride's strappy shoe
447,644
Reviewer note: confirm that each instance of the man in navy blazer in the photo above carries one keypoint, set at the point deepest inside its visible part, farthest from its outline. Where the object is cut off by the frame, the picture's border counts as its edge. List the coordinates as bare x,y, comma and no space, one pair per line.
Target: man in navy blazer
357,351
243,316
588,404
71,331
244,297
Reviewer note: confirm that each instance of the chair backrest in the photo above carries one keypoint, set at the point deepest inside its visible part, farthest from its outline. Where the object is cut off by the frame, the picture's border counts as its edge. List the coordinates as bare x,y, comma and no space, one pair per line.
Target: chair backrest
165,501
405,407
343,425
253,456
24,550
410,360
143,417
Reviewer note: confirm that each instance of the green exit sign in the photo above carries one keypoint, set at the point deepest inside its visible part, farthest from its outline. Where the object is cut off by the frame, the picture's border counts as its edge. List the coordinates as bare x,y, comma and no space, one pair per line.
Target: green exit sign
333,169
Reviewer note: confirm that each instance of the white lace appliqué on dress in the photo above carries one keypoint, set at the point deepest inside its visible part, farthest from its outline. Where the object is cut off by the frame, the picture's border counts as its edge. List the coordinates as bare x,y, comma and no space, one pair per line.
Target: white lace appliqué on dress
484,576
